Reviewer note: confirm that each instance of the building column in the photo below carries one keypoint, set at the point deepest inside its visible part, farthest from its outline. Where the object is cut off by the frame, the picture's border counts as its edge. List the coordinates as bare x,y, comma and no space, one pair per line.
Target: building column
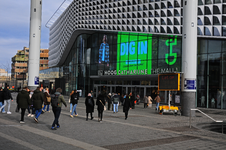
34,46
189,56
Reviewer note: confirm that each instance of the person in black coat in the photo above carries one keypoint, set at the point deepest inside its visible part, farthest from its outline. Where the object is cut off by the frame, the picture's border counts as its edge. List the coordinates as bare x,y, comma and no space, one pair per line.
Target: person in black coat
126,106
100,106
7,99
132,100
37,99
89,102
2,100
74,101
23,101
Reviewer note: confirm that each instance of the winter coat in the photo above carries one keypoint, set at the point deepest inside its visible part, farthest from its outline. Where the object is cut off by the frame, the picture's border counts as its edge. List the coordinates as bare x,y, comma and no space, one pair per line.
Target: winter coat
145,99
100,106
157,99
149,100
60,99
37,99
7,94
2,96
89,108
127,104
74,98
23,99
46,94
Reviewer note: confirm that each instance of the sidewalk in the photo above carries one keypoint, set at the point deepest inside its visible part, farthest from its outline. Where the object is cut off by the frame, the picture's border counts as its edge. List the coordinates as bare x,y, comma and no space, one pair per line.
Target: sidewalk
143,130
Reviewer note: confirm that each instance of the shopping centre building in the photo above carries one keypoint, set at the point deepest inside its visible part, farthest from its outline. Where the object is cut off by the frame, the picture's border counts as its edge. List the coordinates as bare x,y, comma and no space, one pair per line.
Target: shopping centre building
122,46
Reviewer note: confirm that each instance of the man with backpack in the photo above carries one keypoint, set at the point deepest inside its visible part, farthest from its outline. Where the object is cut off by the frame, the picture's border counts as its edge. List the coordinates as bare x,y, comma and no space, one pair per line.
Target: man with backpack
56,101
115,100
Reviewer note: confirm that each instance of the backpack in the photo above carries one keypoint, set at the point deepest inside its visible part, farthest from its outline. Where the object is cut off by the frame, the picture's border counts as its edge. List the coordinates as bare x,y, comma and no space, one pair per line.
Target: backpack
115,99
54,100
48,99
89,102
74,99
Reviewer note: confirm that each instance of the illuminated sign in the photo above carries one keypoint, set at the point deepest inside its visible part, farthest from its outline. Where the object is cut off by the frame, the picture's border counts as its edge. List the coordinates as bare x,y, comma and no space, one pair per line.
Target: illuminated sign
169,82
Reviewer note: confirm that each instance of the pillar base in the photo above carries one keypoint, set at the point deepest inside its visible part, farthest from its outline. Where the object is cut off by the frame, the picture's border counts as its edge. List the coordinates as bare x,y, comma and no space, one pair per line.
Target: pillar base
32,88
187,103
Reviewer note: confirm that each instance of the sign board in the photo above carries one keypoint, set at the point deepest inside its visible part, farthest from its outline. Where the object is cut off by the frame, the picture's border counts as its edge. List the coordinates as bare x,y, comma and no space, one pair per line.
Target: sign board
190,84
36,80
169,82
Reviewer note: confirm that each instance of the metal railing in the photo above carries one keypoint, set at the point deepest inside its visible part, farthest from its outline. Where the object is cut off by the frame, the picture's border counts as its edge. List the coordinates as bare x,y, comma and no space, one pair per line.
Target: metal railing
222,123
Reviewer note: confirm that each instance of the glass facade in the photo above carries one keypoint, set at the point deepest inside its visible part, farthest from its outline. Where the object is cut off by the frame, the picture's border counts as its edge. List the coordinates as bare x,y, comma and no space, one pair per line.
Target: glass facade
120,54
211,73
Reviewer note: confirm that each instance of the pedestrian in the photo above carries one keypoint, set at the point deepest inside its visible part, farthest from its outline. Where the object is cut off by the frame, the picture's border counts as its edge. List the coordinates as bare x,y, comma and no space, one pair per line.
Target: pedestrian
72,92
150,101
126,106
2,100
74,101
100,106
57,109
132,100
109,100
92,94
7,99
37,99
23,102
89,102
138,99
31,110
47,100
115,101
157,99
145,101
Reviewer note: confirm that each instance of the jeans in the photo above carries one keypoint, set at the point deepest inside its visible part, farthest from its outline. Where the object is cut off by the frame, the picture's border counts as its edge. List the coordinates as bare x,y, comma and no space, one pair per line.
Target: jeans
157,106
56,112
45,107
38,113
8,101
71,106
115,107
74,109
1,104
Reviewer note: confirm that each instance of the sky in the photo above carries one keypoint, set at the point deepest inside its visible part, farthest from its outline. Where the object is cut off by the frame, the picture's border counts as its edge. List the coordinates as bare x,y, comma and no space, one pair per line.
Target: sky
15,26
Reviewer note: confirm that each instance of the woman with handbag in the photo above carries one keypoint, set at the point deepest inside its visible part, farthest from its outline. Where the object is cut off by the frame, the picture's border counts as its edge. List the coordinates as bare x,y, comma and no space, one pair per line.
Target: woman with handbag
89,102
100,106
47,100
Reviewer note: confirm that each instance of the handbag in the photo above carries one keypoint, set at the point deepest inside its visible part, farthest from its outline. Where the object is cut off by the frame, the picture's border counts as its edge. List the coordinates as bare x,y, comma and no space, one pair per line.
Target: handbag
103,105
48,99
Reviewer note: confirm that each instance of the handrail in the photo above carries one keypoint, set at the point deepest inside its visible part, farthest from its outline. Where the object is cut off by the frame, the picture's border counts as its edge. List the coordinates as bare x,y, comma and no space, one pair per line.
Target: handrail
208,117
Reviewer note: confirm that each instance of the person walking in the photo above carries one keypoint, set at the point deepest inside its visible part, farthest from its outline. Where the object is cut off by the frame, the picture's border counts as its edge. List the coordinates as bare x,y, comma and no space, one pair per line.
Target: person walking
37,99
149,101
100,106
2,100
138,99
23,102
89,102
126,106
109,101
7,99
74,101
157,99
57,109
47,100
132,100
72,92
115,100
30,109
145,101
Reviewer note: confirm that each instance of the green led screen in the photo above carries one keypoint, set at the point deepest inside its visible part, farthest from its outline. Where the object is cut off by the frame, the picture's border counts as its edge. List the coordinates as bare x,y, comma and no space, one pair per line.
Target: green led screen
134,54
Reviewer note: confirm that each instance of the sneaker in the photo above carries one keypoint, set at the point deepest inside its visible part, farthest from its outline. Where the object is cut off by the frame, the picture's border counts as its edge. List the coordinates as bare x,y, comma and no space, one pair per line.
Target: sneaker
53,128
32,115
22,122
76,115
9,112
36,120
49,111
4,112
71,116
29,115
58,126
